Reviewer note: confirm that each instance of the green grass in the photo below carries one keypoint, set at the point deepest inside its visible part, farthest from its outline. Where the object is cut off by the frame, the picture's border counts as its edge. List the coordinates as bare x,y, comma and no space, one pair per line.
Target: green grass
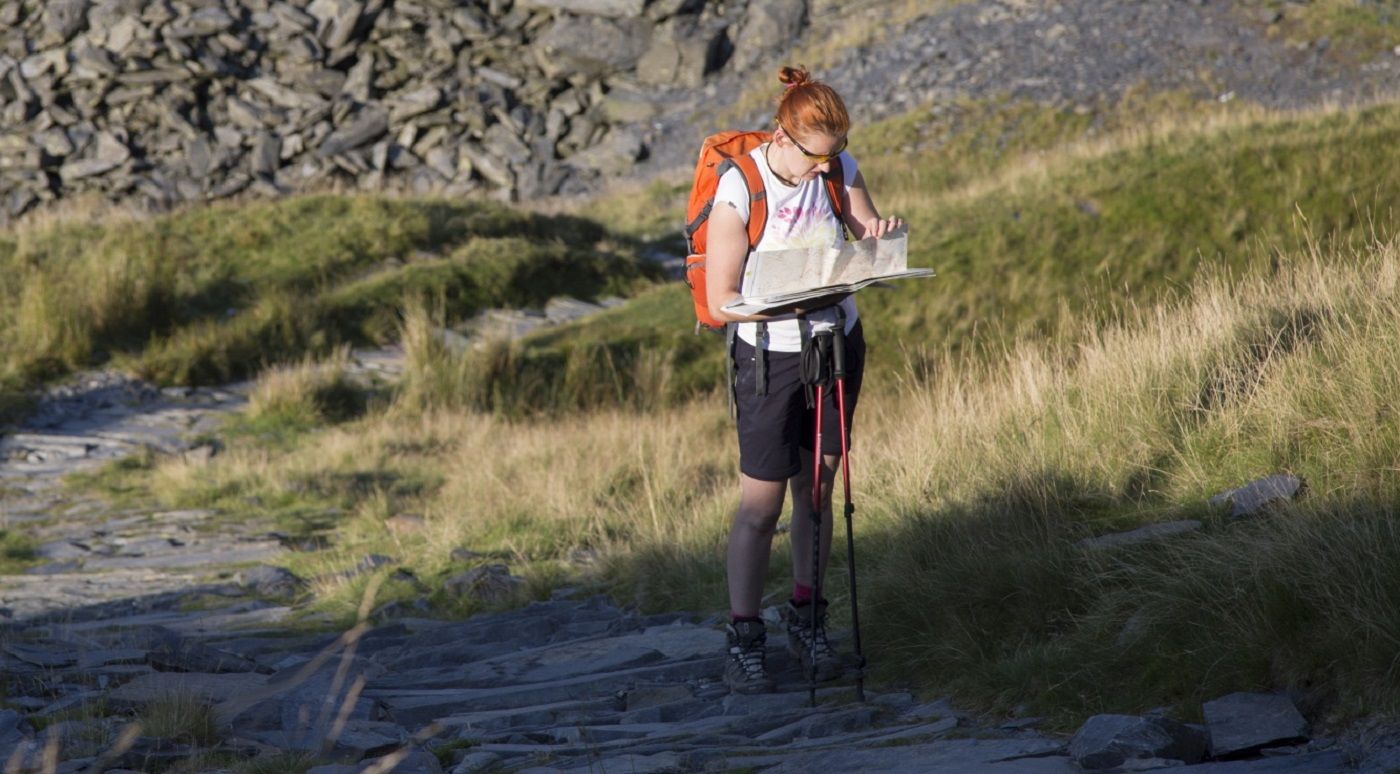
213,294
182,718
279,763
17,552
1355,30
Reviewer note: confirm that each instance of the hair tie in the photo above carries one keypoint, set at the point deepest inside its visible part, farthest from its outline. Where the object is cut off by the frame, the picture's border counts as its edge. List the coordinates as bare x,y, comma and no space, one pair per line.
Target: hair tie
789,85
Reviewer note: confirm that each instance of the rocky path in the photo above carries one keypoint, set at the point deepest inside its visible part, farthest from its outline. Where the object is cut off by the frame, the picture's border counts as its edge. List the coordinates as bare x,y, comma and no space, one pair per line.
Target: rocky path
91,554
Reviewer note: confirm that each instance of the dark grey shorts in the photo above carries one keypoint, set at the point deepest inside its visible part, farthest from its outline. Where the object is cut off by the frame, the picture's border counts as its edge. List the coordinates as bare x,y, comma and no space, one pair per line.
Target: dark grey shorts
774,427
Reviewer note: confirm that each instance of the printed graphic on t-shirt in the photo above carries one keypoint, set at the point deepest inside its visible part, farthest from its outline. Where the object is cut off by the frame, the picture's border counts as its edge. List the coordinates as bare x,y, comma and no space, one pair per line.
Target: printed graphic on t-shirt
799,227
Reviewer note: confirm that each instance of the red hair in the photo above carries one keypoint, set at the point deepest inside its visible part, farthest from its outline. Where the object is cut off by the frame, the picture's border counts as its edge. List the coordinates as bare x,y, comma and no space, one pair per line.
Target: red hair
810,107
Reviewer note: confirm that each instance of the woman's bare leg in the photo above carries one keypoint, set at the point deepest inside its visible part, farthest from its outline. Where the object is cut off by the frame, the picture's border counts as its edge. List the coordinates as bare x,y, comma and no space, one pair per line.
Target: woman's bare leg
802,516
751,542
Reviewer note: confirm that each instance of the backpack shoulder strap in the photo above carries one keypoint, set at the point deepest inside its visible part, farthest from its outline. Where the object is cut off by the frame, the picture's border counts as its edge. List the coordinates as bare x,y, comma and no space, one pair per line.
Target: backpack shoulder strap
835,178
758,195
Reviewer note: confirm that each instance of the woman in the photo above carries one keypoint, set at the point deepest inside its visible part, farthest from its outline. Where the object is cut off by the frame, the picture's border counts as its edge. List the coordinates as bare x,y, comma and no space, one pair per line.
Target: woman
774,422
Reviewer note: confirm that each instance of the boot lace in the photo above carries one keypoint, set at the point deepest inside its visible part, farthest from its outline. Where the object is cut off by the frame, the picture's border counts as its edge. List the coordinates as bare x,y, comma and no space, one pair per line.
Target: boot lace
806,635
749,659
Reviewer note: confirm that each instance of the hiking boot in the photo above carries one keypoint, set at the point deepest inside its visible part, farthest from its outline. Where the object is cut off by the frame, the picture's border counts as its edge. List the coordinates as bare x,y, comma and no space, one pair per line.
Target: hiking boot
743,668
827,664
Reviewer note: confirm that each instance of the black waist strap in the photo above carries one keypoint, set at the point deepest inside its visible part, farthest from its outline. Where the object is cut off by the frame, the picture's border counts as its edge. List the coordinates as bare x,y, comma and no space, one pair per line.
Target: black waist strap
760,364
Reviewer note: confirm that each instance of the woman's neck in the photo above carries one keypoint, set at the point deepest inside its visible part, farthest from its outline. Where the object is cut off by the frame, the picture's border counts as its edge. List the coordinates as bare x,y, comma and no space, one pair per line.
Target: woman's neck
782,178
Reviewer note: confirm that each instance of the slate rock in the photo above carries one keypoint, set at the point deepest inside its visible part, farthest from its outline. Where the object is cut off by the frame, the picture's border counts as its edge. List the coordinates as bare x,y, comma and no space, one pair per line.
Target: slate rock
476,762
1108,741
415,762
158,686
1243,723
615,154
590,7
357,740
1320,762
369,125
491,583
167,650
645,696
268,580
303,702
1141,535
64,549
682,52
1014,756
768,25
819,725
48,655
11,728
594,47
1259,495
644,764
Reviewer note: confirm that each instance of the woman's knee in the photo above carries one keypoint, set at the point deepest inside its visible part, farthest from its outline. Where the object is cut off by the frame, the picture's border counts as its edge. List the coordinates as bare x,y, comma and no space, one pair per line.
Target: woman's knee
760,518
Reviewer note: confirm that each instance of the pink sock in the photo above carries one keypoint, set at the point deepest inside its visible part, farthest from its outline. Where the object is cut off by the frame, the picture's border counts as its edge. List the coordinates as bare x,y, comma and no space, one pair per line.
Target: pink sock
800,593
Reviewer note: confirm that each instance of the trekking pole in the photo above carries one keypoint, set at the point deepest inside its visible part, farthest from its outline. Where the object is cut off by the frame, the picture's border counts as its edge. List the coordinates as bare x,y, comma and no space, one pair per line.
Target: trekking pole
816,543
838,370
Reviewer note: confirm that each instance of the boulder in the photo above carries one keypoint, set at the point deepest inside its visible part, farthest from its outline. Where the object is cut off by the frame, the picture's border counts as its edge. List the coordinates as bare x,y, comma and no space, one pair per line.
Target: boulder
769,26
1109,741
491,583
593,47
1244,723
1259,495
682,52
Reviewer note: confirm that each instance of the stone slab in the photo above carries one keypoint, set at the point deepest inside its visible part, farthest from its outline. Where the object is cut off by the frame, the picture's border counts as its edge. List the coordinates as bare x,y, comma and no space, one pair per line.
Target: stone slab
1241,723
157,686
415,707
955,756
1321,762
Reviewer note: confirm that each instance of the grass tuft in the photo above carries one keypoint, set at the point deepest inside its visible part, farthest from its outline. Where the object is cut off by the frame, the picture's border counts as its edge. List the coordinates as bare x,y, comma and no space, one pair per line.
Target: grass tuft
183,718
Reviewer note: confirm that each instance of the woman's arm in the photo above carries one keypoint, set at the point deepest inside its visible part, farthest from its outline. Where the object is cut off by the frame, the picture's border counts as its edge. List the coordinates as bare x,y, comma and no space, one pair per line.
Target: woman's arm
727,247
861,216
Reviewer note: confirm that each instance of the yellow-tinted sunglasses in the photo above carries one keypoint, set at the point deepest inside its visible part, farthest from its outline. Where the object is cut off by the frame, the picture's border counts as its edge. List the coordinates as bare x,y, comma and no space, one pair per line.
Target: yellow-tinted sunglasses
816,158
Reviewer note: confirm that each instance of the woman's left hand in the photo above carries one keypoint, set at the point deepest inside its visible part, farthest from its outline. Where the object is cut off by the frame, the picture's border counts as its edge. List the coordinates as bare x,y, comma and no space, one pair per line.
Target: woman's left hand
878,227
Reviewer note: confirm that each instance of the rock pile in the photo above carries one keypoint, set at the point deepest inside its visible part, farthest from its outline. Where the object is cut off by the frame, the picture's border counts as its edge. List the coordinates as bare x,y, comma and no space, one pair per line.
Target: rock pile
191,100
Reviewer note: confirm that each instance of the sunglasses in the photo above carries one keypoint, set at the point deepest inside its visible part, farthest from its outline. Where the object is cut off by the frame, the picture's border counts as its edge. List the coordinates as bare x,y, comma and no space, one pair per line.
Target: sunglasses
816,157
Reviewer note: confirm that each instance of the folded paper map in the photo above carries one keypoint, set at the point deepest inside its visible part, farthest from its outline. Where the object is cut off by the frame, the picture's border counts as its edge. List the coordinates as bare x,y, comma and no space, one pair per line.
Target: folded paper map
775,279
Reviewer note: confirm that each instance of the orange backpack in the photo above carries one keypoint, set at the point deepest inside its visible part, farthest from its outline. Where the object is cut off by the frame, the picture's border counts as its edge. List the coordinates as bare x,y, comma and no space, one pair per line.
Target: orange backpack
718,154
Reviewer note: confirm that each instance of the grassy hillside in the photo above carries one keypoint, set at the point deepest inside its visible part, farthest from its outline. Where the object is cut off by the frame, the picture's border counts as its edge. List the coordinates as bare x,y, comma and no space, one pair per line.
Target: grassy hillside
216,293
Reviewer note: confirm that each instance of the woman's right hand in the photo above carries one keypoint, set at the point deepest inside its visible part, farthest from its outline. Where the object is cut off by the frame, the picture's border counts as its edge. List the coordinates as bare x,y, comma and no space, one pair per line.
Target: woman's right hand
878,227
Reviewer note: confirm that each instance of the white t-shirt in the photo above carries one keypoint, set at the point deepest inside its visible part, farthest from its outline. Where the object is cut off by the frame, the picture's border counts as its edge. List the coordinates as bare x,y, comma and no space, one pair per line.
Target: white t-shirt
798,216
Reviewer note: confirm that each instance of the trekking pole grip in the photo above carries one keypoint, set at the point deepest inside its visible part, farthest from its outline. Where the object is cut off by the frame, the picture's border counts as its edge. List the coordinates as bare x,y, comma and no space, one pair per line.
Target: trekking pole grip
838,352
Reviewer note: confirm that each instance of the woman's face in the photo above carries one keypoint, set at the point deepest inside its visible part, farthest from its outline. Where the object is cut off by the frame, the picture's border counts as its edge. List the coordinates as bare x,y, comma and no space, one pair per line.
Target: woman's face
810,155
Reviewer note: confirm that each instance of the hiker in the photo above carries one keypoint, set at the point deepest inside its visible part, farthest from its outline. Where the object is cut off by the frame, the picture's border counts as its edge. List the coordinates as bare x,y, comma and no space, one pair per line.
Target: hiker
775,423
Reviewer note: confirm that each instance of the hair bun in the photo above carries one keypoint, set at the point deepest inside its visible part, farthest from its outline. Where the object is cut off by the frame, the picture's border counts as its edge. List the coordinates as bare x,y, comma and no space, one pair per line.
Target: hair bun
793,76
